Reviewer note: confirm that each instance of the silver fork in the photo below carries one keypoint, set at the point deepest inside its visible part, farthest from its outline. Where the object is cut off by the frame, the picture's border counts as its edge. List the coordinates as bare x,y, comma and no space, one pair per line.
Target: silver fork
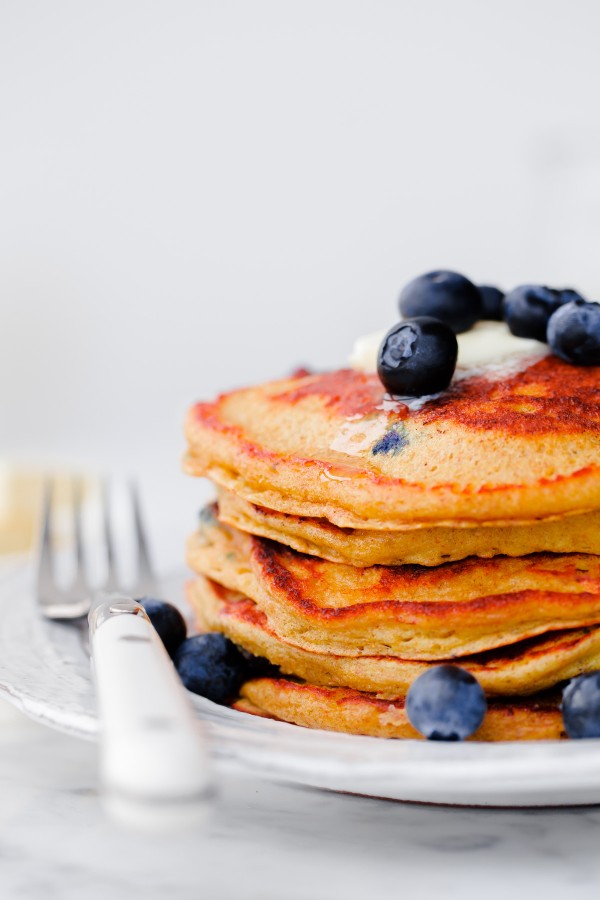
153,759
74,602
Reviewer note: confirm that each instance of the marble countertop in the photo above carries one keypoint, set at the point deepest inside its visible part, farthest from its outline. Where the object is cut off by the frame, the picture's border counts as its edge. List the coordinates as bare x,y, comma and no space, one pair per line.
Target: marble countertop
268,841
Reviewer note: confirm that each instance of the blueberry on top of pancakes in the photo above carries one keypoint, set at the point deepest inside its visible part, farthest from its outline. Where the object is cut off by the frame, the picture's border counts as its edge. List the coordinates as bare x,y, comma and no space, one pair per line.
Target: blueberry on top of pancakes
417,357
527,308
444,295
492,298
574,333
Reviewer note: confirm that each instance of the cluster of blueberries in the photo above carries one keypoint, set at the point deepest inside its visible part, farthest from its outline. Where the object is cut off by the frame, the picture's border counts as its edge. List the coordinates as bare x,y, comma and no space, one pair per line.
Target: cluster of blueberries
418,355
208,664
446,703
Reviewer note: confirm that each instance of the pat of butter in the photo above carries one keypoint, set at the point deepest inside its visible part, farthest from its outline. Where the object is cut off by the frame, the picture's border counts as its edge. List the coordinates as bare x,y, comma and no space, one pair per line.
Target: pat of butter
486,342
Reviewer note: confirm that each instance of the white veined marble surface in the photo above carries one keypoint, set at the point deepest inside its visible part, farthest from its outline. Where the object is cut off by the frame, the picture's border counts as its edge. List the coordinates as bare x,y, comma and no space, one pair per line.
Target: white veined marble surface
270,842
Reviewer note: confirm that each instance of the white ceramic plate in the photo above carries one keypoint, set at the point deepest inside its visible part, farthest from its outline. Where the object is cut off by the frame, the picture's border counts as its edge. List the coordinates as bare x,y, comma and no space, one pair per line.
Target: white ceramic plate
45,671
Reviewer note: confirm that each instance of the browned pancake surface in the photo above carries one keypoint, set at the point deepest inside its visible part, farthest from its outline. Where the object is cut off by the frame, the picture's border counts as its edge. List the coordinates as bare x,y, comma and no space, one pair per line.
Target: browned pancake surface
413,612
524,668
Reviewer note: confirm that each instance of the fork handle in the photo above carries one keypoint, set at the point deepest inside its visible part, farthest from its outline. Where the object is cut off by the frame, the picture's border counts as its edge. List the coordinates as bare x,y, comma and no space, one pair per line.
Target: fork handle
152,750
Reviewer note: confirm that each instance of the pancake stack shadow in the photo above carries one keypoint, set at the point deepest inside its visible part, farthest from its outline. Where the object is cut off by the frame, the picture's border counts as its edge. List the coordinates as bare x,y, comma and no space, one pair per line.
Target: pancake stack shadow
357,541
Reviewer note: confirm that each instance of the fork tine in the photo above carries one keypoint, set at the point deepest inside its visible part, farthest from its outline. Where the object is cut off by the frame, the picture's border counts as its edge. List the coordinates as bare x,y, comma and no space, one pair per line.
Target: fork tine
45,572
55,602
146,578
111,583
77,495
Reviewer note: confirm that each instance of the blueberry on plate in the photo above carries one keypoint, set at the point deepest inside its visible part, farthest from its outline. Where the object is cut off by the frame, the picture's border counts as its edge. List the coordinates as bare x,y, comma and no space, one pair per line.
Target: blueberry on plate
211,665
417,357
208,514
581,706
444,295
446,703
491,298
574,333
527,308
258,666
167,620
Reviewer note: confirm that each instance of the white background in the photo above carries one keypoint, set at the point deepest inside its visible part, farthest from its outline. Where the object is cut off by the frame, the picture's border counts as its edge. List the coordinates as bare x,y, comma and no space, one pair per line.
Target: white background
195,195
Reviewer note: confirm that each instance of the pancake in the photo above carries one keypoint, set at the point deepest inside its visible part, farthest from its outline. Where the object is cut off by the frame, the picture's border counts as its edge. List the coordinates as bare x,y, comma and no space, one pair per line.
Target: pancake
525,668
424,546
412,612
343,709
242,704
506,443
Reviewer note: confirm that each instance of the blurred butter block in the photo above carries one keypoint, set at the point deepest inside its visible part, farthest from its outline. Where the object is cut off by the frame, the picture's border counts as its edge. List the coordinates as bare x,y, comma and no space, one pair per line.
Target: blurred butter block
20,500
21,503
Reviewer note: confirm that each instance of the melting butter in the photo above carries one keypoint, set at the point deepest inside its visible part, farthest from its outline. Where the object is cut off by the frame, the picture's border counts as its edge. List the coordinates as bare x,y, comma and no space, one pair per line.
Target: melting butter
486,342
358,434
487,349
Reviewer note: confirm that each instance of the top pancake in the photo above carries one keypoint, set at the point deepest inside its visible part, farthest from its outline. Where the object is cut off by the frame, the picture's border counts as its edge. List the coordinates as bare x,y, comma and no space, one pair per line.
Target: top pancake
511,443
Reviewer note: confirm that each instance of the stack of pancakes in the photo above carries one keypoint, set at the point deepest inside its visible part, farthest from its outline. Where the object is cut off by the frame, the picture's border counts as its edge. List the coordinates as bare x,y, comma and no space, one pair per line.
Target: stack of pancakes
358,540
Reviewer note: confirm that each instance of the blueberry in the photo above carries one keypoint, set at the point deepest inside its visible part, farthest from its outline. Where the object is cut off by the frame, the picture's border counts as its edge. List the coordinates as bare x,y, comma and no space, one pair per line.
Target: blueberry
527,308
581,706
568,295
417,357
168,622
212,666
574,333
444,295
258,666
492,299
391,443
208,514
446,703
